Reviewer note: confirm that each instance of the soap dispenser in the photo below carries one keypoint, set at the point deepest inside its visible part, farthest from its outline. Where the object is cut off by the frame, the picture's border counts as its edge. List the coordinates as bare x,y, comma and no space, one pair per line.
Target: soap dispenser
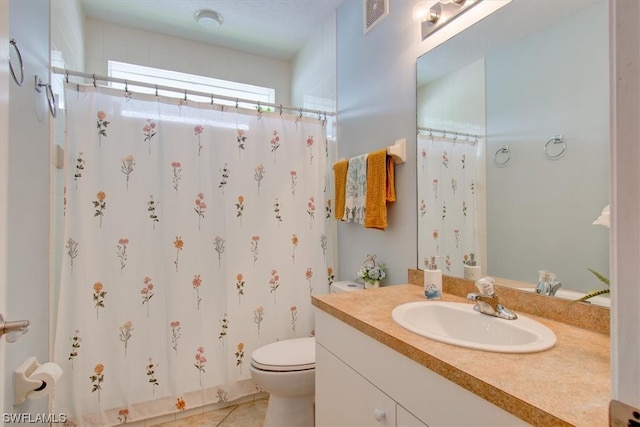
471,270
433,281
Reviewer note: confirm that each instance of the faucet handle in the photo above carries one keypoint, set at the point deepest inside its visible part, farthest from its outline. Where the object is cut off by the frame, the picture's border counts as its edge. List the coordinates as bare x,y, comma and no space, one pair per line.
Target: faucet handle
555,285
473,296
486,286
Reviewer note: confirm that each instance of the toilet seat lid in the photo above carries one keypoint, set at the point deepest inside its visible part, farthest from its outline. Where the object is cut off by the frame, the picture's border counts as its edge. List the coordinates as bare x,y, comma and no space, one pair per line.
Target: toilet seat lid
288,355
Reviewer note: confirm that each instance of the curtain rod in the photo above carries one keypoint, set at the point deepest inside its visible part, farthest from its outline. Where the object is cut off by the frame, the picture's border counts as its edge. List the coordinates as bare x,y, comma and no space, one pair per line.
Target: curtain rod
451,133
95,78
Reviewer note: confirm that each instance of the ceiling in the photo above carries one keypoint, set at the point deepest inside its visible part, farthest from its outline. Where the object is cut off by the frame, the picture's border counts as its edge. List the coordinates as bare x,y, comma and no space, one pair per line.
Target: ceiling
272,28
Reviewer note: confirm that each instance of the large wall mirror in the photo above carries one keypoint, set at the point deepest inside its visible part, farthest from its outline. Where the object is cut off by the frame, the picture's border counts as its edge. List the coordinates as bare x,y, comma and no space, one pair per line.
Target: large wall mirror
513,145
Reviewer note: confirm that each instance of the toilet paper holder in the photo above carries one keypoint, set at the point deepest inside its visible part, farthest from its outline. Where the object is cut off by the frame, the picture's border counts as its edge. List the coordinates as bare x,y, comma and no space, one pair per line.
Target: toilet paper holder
25,385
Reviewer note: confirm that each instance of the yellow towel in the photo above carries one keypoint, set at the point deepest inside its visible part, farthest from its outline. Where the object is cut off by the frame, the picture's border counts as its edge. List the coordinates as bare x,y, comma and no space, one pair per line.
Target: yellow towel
340,182
376,202
391,180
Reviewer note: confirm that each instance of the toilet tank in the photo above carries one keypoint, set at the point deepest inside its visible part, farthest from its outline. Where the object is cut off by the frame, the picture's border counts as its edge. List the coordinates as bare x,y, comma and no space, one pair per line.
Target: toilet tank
345,286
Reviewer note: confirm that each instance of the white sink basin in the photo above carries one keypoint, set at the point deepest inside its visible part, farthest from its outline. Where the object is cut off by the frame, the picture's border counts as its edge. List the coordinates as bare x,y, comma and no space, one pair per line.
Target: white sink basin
459,324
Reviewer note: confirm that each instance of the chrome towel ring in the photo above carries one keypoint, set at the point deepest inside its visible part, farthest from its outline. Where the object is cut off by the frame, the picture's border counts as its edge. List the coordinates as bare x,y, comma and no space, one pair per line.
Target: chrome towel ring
558,139
20,81
51,99
502,156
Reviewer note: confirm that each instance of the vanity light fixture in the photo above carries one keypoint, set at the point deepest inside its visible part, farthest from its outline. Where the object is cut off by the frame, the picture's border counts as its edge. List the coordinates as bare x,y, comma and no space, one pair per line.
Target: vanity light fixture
208,18
442,13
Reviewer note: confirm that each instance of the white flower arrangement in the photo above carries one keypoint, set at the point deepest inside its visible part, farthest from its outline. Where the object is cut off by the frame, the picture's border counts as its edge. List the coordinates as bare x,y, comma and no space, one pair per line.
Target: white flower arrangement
604,218
371,272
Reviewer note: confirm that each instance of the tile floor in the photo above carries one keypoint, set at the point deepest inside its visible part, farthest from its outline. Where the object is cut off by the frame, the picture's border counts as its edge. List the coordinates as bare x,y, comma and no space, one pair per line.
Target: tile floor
250,414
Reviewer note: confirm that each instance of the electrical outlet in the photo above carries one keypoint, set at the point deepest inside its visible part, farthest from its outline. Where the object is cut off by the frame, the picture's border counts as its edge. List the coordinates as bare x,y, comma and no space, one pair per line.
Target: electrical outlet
623,415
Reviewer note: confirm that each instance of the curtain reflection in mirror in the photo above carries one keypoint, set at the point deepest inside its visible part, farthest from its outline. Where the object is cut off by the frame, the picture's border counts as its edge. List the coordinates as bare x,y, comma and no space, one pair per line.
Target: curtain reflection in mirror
447,200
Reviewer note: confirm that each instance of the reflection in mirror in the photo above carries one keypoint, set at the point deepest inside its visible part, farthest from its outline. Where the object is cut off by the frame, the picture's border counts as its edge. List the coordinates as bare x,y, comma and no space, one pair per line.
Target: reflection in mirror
505,89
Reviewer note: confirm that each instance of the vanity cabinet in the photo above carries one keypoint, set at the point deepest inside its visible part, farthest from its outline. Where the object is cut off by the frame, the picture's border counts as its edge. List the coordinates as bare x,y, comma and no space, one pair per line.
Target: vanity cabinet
349,399
357,377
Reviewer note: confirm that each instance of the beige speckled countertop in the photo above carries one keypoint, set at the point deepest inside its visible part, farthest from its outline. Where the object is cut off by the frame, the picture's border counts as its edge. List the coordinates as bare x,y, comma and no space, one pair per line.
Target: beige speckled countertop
566,385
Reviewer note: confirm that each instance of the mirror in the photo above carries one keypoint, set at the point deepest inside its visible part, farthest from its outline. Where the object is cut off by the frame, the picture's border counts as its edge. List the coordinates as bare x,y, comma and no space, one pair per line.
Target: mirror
513,145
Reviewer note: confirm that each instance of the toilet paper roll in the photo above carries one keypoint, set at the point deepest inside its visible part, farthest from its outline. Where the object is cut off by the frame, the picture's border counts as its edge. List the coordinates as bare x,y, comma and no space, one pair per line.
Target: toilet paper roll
49,374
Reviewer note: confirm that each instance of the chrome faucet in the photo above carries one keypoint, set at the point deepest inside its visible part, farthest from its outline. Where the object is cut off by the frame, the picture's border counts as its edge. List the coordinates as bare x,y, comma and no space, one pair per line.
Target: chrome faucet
548,288
487,301
547,285
490,305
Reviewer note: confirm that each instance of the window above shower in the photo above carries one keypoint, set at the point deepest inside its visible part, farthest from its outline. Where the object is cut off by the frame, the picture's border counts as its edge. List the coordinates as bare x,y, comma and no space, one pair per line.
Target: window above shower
190,82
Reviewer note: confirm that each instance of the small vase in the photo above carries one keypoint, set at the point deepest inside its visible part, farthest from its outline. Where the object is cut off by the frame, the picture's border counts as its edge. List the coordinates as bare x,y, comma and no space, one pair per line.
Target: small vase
368,285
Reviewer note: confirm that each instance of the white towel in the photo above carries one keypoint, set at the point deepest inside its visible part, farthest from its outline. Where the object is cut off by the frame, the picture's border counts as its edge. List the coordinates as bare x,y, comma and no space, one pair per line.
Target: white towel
356,190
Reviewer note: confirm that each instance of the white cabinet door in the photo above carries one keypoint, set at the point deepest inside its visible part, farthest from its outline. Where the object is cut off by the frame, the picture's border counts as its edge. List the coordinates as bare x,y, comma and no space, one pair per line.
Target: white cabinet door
427,395
345,398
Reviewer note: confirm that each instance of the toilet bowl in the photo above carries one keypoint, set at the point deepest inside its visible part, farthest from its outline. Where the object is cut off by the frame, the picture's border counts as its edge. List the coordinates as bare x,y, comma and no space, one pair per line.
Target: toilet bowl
287,371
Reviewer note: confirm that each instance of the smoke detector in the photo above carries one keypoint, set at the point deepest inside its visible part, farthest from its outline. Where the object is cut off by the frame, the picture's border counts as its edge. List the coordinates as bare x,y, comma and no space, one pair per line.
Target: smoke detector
208,18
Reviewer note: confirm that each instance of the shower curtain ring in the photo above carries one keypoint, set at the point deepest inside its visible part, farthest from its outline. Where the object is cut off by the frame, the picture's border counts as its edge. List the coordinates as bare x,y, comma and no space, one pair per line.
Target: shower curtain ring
280,109
236,103
211,99
94,81
156,91
67,76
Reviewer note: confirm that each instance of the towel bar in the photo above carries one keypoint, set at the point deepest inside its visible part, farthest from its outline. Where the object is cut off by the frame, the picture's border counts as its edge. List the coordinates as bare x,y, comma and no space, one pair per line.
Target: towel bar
398,151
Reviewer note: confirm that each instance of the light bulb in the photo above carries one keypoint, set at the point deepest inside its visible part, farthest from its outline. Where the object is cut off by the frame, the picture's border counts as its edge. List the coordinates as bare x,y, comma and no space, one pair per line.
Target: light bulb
421,10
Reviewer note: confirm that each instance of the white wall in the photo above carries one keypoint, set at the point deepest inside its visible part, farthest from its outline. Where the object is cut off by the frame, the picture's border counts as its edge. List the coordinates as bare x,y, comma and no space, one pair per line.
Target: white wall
552,82
313,70
67,32
104,41
27,237
377,106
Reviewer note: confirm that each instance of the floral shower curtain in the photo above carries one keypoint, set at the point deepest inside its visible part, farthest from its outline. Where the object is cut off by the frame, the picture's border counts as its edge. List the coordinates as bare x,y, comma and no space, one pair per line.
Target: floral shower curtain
193,235
447,202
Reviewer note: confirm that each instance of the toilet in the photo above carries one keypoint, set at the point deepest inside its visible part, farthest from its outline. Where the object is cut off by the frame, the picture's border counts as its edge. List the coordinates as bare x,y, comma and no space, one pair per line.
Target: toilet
286,370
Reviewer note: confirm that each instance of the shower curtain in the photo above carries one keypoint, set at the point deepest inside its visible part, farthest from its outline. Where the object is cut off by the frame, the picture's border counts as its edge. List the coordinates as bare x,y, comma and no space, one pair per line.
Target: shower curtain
193,234
448,201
